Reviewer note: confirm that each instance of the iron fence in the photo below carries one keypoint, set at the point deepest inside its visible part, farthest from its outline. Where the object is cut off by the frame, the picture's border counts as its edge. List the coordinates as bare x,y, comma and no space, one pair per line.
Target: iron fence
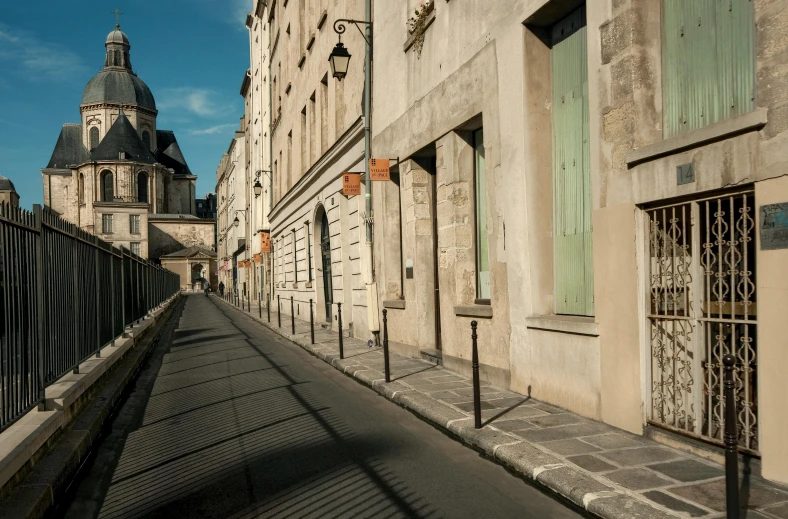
64,293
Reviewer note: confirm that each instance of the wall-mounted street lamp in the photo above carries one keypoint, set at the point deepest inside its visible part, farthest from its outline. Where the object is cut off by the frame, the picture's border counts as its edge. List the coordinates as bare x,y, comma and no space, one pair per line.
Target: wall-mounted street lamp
237,222
258,187
339,59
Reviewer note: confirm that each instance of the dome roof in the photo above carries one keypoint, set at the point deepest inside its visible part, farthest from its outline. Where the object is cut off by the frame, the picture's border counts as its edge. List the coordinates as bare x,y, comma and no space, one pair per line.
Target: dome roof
117,36
6,184
118,86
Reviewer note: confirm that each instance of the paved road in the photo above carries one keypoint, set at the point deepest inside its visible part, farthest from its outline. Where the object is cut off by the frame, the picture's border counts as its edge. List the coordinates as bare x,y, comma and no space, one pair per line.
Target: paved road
227,419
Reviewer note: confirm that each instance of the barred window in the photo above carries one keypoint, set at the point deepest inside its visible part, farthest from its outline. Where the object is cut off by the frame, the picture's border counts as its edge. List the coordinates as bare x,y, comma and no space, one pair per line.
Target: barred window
134,223
135,248
106,224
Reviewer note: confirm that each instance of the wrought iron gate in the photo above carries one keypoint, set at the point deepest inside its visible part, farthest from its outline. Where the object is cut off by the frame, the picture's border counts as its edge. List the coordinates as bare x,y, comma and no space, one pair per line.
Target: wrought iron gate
702,305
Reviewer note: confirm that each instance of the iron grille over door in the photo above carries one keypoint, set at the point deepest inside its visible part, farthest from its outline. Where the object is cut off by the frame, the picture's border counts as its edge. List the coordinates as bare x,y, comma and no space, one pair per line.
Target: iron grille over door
701,275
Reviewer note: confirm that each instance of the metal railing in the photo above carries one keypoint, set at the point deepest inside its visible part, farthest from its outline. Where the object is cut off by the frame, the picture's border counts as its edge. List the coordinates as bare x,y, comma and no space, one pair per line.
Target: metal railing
64,293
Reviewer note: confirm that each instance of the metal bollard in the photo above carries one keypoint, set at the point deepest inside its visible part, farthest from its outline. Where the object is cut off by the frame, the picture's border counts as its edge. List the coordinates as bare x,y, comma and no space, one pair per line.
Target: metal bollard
292,315
386,346
260,305
731,440
278,310
268,306
312,321
249,302
477,406
341,346
242,302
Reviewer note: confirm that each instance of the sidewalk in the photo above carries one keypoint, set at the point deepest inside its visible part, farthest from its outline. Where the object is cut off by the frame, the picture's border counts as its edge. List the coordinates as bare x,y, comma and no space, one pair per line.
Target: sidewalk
606,471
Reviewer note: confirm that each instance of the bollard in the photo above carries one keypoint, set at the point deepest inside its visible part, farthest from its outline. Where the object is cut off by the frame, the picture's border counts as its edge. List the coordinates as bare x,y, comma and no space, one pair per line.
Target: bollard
242,302
260,305
278,310
249,302
292,315
341,346
312,321
386,346
477,406
268,306
731,441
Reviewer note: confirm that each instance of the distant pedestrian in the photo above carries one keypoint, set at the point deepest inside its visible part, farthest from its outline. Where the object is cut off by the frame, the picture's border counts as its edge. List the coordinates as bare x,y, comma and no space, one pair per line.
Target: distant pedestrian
206,286
221,288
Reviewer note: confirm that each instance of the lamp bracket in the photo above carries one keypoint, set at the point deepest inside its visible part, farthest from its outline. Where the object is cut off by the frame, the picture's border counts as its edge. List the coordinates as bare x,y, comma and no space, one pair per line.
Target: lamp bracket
339,27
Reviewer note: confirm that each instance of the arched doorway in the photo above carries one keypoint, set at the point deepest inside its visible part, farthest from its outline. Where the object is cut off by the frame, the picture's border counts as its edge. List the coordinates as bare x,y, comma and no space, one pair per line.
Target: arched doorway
197,276
325,254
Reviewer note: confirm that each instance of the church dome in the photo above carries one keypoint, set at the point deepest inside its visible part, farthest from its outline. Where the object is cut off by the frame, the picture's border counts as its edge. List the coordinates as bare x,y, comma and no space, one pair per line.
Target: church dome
117,83
117,36
118,87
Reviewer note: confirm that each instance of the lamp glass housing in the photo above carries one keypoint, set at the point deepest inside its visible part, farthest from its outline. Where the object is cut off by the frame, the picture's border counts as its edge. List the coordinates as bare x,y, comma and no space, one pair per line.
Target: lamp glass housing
339,59
236,222
258,188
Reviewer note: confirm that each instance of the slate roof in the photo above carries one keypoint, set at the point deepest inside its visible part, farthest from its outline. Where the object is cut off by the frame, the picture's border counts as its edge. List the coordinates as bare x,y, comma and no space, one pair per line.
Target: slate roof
122,137
120,87
169,154
6,184
189,251
69,149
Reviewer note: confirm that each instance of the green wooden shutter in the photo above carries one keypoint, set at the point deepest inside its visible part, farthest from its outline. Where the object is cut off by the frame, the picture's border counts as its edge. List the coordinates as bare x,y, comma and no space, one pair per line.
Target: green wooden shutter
708,62
573,261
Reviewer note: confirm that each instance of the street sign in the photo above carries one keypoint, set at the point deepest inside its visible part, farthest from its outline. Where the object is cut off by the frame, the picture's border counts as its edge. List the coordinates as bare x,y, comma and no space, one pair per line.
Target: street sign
265,242
258,258
379,169
351,184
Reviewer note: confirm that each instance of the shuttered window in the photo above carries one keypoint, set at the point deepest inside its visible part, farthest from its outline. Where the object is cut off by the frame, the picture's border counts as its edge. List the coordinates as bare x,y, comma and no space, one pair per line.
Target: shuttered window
572,255
708,62
482,249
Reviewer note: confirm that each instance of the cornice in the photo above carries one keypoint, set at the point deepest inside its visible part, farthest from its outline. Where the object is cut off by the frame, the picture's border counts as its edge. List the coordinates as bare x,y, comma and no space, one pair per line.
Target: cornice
122,106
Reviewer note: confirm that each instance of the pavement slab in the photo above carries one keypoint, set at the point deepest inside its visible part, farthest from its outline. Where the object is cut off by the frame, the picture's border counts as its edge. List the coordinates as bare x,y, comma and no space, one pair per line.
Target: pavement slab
608,472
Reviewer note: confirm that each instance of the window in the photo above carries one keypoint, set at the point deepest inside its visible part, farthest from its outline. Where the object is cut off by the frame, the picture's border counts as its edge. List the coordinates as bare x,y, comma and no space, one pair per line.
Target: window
572,241
135,248
142,187
295,258
708,63
482,250
134,224
94,137
107,187
106,224
308,251
146,138
81,189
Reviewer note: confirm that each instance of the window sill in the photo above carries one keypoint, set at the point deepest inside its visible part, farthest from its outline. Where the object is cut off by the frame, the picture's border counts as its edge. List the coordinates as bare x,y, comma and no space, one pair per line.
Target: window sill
295,285
571,324
412,37
751,121
481,311
397,304
308,285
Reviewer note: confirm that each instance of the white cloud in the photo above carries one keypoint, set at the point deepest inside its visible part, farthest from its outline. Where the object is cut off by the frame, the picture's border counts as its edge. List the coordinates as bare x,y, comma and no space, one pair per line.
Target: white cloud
213,129
35,59
202,102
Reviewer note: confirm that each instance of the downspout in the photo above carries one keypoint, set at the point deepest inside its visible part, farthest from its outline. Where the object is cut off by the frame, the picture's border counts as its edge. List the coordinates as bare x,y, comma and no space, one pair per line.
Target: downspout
372,290
270,157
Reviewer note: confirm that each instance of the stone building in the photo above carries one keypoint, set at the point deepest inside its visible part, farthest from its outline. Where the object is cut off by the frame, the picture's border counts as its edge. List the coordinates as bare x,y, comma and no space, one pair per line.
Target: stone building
231,195
602,186
317,135
119,176
8,194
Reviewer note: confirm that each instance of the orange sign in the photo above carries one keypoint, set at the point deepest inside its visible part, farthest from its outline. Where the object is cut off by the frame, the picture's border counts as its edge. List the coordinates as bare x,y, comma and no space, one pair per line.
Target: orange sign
265,242
248,264
379,169
240,264
351,184
258,258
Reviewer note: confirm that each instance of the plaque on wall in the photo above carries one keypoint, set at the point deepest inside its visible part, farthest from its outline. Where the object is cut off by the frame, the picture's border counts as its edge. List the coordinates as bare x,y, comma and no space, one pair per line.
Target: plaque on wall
774,226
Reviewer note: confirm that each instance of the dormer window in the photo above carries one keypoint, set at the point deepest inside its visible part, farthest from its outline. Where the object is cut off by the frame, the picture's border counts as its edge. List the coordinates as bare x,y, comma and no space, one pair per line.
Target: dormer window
121,155
146,138
94,137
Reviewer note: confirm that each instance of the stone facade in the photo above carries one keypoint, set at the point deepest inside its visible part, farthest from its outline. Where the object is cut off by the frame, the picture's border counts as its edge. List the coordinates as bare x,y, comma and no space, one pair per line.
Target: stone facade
488,66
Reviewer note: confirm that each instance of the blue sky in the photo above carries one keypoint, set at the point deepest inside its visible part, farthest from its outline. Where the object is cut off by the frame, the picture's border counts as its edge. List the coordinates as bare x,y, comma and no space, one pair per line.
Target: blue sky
191,53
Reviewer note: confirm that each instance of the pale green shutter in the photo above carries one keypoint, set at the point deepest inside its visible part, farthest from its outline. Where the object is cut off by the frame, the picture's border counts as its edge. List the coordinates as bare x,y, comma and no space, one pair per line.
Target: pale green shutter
708,62
573,262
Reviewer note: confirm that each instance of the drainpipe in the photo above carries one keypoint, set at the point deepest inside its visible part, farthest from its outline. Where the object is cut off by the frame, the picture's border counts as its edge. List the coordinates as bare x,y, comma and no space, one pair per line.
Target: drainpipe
372,290
270,157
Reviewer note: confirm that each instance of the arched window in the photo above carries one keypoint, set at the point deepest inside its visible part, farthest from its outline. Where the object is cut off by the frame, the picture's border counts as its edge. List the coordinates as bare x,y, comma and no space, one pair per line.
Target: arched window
146,138
81,189
94,137
142,187
107,187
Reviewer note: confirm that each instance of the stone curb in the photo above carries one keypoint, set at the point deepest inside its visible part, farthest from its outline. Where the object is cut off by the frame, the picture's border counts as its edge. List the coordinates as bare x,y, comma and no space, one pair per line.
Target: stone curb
48,480
538,467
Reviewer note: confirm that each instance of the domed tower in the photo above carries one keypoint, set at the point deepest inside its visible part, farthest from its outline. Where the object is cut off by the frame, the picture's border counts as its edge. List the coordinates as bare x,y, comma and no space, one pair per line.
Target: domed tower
117,88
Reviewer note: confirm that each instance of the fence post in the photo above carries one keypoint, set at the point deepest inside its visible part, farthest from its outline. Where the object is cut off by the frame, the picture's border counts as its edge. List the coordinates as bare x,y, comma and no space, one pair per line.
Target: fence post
341,346
98,297
477,410
123,275
292,315
731,440
39,225
278,310
75,245
386,369
312,321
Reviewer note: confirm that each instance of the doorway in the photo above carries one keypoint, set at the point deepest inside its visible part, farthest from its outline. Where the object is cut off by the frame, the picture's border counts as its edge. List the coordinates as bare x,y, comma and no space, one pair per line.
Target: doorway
325,253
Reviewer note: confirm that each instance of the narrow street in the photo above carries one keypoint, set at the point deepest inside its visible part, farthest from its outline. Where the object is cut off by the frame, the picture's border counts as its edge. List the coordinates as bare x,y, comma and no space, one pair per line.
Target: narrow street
229,420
